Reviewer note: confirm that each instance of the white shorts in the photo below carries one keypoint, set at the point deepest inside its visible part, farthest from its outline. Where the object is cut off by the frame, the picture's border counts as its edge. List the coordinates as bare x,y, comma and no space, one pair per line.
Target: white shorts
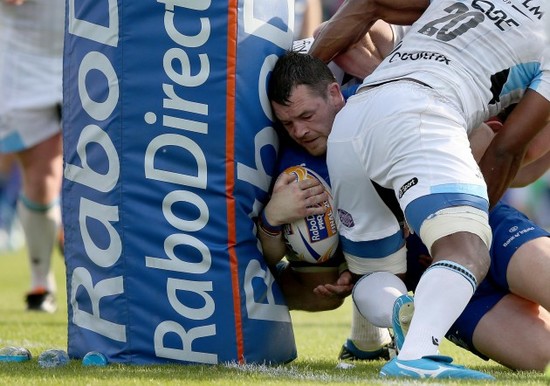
31,69
404,137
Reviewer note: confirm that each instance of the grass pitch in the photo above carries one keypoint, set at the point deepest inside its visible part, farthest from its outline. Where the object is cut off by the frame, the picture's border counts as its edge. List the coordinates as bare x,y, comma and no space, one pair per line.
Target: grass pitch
319,337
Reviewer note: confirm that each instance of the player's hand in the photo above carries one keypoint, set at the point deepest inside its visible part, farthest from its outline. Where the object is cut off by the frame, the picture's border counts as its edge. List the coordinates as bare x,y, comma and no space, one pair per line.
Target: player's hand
292,200
340,289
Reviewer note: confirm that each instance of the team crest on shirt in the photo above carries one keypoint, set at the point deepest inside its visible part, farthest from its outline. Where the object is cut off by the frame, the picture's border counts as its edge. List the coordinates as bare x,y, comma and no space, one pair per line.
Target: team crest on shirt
345,218
409,184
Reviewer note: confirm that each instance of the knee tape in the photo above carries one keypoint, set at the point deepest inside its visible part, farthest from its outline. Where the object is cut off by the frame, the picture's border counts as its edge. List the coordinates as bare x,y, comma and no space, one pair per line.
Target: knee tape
456,219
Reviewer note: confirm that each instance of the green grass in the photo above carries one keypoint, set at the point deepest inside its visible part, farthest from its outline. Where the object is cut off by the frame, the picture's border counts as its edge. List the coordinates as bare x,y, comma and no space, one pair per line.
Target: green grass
318,339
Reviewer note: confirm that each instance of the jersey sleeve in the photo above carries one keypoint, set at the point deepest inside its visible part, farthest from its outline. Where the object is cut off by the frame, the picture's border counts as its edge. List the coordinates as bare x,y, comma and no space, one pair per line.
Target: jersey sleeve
398,32
541,84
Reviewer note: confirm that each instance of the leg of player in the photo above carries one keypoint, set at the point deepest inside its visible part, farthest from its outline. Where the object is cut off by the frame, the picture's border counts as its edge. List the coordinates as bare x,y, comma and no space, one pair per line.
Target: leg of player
382,297
374,295
461,260
366,341
513,333
442,294
40,215
528,272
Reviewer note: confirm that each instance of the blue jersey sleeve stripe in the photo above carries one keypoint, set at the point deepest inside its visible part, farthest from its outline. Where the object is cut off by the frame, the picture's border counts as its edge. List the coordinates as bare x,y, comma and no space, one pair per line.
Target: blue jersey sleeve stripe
471,189
374,248
426,206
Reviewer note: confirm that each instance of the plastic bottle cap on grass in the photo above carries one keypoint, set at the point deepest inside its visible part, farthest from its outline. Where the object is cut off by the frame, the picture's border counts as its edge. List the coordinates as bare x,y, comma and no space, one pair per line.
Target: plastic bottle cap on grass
94,358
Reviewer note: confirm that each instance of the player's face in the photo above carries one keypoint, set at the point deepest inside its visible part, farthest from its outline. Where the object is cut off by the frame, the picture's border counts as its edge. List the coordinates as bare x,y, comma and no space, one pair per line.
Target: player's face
308,117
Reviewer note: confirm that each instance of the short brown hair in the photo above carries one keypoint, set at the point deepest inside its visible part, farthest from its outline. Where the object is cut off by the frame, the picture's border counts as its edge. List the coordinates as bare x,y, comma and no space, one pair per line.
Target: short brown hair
295,69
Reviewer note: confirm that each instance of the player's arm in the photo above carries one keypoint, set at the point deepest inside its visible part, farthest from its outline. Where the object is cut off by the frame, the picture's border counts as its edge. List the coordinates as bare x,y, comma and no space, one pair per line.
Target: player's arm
535,163
505,154
539,146
300,289
532,171
273,244
339,289
354,19
362,58
480,138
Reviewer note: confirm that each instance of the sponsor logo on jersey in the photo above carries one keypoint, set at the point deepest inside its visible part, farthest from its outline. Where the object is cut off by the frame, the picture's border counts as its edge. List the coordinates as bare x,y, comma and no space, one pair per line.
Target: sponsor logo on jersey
497,14
516,233
420,55
409,184
345,218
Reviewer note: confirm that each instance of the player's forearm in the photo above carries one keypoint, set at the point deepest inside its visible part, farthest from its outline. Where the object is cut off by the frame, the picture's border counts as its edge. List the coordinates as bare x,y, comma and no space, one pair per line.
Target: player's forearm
539,146
499,171
505,154
273,246
532,172
355,18
347,26
480,138
400,12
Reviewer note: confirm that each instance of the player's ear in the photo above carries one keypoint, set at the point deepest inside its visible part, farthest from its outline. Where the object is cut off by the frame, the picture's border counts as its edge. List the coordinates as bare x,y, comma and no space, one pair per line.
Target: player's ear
335,93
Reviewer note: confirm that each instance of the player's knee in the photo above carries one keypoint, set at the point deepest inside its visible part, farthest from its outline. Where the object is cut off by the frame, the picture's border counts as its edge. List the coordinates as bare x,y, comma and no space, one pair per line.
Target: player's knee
374,296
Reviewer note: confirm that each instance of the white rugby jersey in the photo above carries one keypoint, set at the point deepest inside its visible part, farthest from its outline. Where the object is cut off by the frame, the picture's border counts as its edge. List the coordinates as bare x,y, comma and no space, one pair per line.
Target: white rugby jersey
480,54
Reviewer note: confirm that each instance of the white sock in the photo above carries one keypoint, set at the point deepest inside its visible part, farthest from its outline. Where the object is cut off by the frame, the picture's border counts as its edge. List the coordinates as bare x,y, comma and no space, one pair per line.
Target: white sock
365,335
40,224
442,294
374,295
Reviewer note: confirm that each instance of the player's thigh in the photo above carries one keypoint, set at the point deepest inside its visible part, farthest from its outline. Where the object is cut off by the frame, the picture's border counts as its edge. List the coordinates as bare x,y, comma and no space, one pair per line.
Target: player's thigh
42,166
528,272
516,333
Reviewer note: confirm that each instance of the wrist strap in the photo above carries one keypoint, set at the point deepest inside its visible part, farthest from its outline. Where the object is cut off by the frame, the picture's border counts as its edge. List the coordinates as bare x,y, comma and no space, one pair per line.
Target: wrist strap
272,230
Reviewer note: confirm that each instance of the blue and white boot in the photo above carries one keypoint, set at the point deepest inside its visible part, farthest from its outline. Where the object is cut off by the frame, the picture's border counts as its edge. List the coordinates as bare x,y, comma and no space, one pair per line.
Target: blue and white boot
433,366
403,310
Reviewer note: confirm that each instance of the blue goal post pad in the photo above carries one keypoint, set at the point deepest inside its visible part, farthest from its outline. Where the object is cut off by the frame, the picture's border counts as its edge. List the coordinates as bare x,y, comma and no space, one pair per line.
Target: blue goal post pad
169,152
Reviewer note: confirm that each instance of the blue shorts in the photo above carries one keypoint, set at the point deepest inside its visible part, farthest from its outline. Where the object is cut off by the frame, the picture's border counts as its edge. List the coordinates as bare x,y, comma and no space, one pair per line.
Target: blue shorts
511,229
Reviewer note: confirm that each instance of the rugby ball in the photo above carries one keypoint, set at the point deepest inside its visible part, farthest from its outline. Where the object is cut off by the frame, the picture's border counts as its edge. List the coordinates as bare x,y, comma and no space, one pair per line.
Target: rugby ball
312,239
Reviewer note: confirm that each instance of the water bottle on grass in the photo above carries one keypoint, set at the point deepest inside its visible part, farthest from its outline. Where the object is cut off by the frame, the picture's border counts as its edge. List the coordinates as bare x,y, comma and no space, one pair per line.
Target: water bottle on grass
53,358
14,354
